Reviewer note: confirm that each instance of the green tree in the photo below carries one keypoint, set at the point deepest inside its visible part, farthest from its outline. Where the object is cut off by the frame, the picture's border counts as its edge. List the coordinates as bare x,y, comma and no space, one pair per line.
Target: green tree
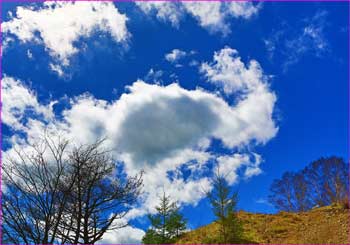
177,224
166,225
152,237
224,201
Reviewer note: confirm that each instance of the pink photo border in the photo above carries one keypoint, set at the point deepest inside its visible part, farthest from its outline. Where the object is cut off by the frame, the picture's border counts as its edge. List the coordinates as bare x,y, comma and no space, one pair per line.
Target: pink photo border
28,1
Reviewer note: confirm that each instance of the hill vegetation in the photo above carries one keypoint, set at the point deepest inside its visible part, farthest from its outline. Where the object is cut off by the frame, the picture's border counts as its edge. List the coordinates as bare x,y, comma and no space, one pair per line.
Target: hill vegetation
329,224
323,184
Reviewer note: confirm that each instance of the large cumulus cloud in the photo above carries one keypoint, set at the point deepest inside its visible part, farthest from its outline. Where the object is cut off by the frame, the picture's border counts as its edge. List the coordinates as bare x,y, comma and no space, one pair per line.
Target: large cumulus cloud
161,129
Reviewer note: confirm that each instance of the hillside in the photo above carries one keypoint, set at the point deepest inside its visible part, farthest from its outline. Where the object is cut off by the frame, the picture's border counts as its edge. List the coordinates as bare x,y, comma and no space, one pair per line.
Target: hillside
321,225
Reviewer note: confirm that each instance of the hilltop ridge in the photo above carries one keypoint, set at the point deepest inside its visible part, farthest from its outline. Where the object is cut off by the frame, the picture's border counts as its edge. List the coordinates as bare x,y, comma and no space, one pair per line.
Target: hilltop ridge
329,224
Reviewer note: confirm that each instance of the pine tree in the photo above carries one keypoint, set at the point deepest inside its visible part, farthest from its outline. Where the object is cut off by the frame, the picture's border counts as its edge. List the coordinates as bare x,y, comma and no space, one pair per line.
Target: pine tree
166,225
177,223
224,204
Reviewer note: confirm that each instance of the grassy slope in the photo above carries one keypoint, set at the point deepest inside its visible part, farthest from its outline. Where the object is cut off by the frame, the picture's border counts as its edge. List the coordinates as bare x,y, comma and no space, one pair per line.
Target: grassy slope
322,225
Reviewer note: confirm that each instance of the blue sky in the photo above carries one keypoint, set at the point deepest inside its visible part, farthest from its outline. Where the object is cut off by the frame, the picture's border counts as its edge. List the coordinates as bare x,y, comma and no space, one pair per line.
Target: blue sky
258,89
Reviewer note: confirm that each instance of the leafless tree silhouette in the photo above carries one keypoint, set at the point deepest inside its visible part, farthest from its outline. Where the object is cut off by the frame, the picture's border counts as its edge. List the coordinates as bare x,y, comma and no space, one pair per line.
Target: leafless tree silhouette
321,183
56,193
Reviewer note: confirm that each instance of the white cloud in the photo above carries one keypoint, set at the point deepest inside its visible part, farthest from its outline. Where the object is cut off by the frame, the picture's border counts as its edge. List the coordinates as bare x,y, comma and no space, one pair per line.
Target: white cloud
161,129
59,24
158,120
229,72
184,191
243,9
263,201
228,166
209,15
29,54
125,235
154,76
18,100
57,69
213,16
175,55
254,168
165,11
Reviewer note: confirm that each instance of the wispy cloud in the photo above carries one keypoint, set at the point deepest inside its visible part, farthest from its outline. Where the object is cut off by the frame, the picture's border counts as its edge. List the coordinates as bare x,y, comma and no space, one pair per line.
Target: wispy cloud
292,42
263,201
175,55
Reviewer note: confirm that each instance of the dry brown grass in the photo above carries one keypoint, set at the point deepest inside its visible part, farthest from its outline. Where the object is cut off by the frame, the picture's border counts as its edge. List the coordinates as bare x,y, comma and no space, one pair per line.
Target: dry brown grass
325,225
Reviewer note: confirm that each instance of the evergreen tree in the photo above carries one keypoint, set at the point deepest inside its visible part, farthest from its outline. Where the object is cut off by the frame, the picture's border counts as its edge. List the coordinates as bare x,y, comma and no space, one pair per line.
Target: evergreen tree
224,202
151,237
177,223
166,225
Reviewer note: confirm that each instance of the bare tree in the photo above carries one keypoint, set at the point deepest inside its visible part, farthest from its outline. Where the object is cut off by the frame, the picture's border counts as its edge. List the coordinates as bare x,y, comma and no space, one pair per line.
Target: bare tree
328,177
56,195
32,198
291,193
282,193
302,196
321,183
98,198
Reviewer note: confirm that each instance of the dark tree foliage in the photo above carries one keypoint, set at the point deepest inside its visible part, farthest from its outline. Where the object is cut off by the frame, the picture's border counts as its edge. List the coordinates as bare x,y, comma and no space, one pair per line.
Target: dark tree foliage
321,183
224,202
166,225
56,195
